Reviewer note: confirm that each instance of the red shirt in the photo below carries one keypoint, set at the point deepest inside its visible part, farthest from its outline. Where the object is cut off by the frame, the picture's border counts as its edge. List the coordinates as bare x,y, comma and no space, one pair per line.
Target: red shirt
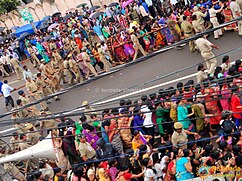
235,101
127,176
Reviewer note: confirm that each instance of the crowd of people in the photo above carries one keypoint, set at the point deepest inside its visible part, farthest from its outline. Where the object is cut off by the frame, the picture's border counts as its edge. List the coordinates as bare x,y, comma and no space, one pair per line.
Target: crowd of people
179,133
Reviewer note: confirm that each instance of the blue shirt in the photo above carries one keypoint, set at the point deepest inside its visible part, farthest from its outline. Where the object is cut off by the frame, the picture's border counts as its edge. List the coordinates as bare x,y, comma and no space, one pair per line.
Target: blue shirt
97,30
181,171
146,7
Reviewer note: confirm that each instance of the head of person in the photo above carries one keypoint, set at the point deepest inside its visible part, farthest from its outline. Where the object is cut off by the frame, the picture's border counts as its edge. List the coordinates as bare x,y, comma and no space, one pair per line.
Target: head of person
178,127
226,59
15,135
201,67
25,67
82,138
136,134
23,137
19,102
226,114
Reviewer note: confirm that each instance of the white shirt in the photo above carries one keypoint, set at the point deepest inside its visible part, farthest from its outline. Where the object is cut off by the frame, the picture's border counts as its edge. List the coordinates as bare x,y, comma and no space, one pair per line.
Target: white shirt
235,8
148,116
149,2
149,173
28,74
6,89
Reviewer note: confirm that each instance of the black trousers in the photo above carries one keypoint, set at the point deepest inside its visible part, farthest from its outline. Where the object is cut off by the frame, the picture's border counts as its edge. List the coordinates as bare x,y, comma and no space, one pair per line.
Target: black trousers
152,11
8,100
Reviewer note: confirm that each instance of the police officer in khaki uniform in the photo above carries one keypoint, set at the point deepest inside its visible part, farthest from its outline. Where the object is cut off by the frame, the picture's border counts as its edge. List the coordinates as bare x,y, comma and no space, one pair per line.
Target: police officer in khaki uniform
24,145
14,143
23,112
32,134
75,69
44,87
48,123
67,72
188,32
200,17
15,64
32,87
86,60
103,58
206,47
25,101
74,46
136,44
33,56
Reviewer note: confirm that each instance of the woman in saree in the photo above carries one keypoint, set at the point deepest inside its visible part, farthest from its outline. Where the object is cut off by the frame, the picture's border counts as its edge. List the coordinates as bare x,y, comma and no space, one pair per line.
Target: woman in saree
228,17
128,47
146,39
114,136
212,107
158,36
97,57
119,50
123,22
166,31
160,119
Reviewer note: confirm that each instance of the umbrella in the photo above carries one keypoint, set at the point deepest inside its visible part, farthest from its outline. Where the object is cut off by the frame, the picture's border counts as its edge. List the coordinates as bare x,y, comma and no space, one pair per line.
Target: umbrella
67,17
94,8
126,3
2,29
80,5
14,27
56,14
23,35
52,26
70,10
95,15
113,4
12,35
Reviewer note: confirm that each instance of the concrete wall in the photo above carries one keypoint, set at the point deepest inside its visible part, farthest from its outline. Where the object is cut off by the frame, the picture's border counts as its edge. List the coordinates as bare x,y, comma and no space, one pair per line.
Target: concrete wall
41,10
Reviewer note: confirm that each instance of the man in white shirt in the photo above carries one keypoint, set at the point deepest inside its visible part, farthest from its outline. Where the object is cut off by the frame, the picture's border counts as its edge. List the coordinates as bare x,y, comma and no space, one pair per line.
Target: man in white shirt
236,11
6,90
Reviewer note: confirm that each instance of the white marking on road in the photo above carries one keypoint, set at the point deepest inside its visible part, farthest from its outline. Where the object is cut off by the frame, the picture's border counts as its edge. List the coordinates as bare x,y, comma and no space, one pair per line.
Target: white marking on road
149,88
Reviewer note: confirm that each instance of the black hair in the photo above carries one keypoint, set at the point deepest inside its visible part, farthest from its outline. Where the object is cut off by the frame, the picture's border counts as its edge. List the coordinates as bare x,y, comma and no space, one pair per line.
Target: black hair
225,58
5,81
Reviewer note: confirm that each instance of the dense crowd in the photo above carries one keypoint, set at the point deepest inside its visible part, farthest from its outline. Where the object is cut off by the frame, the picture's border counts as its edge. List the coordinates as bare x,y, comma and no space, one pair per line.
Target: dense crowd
178,133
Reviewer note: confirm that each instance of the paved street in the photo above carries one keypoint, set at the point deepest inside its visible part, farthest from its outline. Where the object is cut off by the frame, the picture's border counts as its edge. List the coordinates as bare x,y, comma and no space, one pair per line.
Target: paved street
139,73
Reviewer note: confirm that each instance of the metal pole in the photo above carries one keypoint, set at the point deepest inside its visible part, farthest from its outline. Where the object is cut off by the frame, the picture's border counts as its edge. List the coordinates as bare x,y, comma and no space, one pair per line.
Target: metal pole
91,2
32,24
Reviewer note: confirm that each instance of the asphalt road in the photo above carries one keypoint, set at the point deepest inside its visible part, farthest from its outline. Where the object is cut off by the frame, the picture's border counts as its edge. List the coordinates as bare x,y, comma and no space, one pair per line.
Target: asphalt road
139,73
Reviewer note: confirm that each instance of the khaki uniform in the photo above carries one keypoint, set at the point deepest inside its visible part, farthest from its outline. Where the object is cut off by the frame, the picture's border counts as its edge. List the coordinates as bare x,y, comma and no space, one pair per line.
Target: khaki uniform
188,32
3,70
33,137
14,145
32,110
86,60
197,27
40,82
33,89
201,75
137,46
206,51
67,72
200,18
179,139
23,113
76,70
33,56
57,56
75,47
103,59
15,64
67,45
52,46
